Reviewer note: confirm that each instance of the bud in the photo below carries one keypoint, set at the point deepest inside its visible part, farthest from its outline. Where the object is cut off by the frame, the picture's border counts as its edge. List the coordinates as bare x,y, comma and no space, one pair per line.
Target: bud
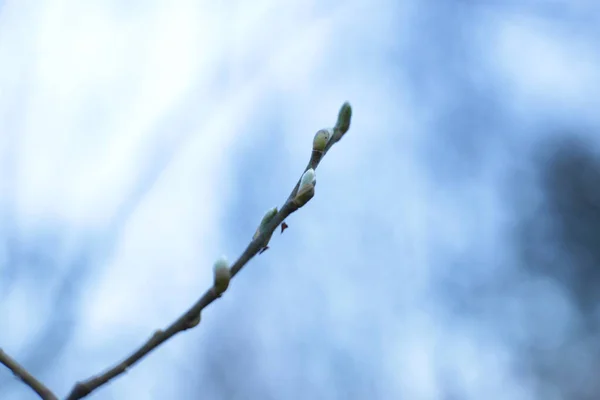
321,139
265,221
308,177
344,117
192,323
306,189
222,275
305,193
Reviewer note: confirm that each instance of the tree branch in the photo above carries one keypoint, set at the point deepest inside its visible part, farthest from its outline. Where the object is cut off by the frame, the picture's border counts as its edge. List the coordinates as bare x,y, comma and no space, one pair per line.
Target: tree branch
191,317
21,373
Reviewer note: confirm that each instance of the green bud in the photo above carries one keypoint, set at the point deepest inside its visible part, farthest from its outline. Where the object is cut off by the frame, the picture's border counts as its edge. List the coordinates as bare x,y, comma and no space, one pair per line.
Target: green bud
222,275
344,117
266,219
268,216
321,139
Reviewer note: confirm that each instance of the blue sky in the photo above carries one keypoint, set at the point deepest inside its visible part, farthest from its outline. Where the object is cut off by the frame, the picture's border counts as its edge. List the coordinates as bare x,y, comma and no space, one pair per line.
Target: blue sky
141,140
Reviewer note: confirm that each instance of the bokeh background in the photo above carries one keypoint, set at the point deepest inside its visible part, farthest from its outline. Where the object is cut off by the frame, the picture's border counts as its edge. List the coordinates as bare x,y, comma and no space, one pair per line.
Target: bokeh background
452,250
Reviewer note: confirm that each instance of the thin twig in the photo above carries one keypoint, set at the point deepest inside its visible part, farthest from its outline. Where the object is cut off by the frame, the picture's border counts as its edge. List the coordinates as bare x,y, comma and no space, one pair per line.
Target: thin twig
184,322
21,373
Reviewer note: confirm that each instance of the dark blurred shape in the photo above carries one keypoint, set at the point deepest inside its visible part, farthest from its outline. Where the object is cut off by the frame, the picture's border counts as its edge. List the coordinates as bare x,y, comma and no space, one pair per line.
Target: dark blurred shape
570,179
561,242
538,293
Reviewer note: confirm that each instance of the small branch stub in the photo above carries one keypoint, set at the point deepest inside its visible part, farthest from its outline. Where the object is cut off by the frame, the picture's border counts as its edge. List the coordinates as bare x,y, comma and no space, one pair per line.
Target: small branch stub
222,276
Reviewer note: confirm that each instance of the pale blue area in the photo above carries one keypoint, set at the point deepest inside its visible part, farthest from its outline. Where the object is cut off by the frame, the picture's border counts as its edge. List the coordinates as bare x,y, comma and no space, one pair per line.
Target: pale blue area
429,265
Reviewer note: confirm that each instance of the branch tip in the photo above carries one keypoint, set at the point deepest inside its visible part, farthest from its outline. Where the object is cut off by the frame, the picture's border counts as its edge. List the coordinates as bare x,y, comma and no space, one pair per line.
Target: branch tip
343,122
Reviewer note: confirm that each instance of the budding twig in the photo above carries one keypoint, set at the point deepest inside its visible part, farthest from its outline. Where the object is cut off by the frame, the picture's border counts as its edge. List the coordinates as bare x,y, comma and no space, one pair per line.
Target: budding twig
270,222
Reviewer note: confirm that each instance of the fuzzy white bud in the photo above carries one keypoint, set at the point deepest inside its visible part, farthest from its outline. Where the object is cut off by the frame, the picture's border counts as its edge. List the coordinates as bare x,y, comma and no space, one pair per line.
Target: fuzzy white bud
308,178
305,193
222,275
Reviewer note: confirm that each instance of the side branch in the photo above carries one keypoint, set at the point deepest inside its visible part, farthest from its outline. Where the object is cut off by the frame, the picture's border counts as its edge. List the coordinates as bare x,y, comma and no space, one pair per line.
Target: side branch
191,317
21,373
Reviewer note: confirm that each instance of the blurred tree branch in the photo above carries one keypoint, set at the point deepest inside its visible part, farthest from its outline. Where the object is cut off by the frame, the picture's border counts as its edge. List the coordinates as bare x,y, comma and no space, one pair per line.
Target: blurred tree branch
300,195
21,373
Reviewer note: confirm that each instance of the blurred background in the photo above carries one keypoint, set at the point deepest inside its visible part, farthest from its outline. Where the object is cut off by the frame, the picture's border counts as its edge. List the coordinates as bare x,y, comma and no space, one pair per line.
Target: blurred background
452,250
